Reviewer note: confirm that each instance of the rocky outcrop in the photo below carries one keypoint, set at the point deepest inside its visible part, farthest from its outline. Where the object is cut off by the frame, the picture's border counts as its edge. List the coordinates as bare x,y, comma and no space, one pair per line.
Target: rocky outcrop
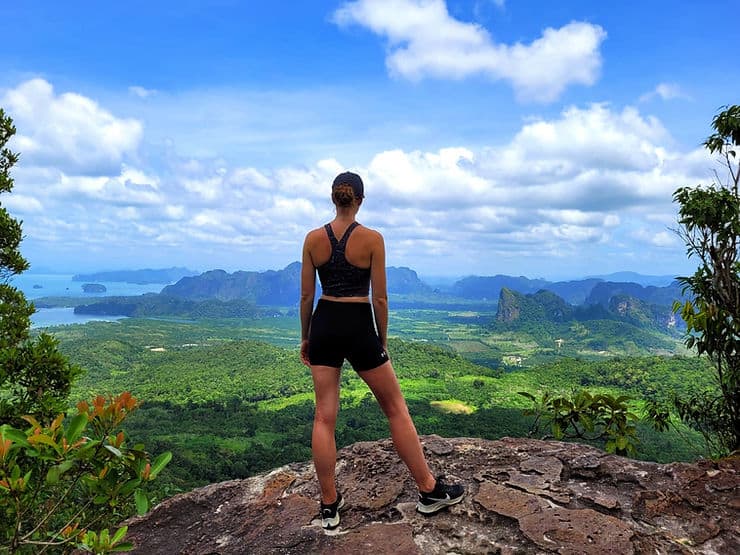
524,496
509,306
405,281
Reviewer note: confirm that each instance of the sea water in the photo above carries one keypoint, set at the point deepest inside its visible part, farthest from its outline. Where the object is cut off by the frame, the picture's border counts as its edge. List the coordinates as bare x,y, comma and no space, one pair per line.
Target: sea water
35,286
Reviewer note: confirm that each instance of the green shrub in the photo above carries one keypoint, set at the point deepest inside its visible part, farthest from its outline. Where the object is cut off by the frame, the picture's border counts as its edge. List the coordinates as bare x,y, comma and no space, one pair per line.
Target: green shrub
63,484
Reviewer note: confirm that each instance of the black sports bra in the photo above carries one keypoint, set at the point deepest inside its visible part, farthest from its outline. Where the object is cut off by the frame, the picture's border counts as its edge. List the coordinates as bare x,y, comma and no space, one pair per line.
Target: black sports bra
338,277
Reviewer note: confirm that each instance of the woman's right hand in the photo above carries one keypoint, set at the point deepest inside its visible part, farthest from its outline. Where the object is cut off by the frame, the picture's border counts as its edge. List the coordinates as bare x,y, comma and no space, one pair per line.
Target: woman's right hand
304,353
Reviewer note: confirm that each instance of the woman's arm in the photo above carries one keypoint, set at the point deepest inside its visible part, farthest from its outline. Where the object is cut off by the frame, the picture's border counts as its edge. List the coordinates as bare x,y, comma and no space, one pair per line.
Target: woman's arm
379,289
308,290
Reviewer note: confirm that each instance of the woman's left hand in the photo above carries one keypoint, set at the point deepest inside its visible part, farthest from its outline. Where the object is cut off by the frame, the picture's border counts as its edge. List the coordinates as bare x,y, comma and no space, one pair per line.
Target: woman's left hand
304,352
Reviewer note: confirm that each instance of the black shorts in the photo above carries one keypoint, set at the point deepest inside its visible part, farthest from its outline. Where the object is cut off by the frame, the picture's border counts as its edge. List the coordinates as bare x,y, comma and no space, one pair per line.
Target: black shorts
344,330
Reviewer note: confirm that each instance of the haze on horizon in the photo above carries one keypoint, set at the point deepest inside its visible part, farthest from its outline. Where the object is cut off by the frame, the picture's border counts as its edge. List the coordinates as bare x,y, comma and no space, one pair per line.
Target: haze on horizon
495,137
33,275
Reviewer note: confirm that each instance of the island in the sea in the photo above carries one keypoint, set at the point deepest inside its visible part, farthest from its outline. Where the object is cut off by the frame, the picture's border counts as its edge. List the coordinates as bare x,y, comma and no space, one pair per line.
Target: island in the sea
94,288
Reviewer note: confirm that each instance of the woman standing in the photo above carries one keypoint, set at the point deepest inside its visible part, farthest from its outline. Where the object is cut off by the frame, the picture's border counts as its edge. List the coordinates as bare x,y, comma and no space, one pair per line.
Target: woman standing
349,258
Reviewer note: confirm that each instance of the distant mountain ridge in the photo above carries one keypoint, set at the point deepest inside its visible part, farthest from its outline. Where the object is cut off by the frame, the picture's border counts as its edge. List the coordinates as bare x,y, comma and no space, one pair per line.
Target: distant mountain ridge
566,299
603,292
274,287
489,287
584,291
574,292
282,288
139,277
634,277
545,306
405,281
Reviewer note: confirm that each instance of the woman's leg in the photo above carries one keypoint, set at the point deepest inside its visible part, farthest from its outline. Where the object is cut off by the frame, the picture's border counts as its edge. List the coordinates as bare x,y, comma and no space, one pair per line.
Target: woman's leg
323,444
384,385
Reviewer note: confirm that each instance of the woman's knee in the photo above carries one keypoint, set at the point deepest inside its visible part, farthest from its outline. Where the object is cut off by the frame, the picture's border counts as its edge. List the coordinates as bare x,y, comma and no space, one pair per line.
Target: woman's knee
325,417
394,408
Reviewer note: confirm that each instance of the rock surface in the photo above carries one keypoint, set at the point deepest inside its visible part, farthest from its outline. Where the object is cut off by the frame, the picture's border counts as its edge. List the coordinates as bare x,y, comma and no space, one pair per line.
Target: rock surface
524,496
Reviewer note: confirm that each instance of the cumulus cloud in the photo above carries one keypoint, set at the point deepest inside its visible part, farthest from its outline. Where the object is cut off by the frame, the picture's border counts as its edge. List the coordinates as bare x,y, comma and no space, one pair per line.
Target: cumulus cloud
424,40
589,159
22,204
590,177
68,131
582,178
131,187
428,179
665,91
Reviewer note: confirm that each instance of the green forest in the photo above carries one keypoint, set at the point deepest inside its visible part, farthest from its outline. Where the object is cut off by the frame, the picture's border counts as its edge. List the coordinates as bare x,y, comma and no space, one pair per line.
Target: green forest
230,398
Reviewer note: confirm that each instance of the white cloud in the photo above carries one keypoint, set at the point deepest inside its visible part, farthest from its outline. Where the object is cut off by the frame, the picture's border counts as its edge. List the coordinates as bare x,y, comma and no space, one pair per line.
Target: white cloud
665,91
427,178
68,131
590,177
141,92
174,211
589,159
582,178
131,187
611,220
569,233
662,239
208,188
596,137
424,40
22,204
212,219
128,213
579,218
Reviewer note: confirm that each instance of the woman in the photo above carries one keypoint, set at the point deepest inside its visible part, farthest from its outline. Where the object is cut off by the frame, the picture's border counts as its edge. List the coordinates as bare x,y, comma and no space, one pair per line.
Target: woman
342,327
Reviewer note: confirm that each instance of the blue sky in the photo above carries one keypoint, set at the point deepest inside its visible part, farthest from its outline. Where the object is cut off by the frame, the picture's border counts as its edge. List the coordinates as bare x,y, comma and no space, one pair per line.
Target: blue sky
495,136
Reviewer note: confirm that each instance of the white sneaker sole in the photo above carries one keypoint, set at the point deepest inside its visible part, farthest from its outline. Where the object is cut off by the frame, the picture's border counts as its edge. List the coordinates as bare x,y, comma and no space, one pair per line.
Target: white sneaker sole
439,505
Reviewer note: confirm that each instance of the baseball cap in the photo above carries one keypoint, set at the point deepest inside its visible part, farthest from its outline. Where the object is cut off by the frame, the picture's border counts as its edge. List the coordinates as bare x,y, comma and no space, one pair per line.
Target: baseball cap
352,179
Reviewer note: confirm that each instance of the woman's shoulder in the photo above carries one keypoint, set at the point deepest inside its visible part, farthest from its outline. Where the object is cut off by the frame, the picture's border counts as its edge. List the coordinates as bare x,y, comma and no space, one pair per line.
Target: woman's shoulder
369,232
311,235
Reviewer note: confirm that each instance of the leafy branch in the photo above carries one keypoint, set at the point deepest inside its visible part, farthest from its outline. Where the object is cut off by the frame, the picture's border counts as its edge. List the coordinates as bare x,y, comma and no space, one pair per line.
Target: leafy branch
58,481
586,417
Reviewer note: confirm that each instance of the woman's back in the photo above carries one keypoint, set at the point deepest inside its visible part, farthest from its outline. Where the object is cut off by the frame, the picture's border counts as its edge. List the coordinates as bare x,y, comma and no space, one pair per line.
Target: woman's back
359,248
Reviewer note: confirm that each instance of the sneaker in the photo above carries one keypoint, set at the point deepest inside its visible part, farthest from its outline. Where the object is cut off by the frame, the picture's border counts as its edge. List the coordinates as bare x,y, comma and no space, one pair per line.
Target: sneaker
330,513
443,495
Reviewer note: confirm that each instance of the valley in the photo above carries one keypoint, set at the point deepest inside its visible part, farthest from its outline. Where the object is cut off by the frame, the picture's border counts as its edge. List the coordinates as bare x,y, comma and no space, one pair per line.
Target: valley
229,396
214,360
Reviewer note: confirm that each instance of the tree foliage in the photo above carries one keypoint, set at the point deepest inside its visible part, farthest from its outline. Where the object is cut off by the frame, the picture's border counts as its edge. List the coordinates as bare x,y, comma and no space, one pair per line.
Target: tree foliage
709,219
34,378
587,417
61,479
11,261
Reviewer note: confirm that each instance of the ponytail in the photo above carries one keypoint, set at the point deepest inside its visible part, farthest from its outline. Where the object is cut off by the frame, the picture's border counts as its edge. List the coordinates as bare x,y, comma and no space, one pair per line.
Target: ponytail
343,195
